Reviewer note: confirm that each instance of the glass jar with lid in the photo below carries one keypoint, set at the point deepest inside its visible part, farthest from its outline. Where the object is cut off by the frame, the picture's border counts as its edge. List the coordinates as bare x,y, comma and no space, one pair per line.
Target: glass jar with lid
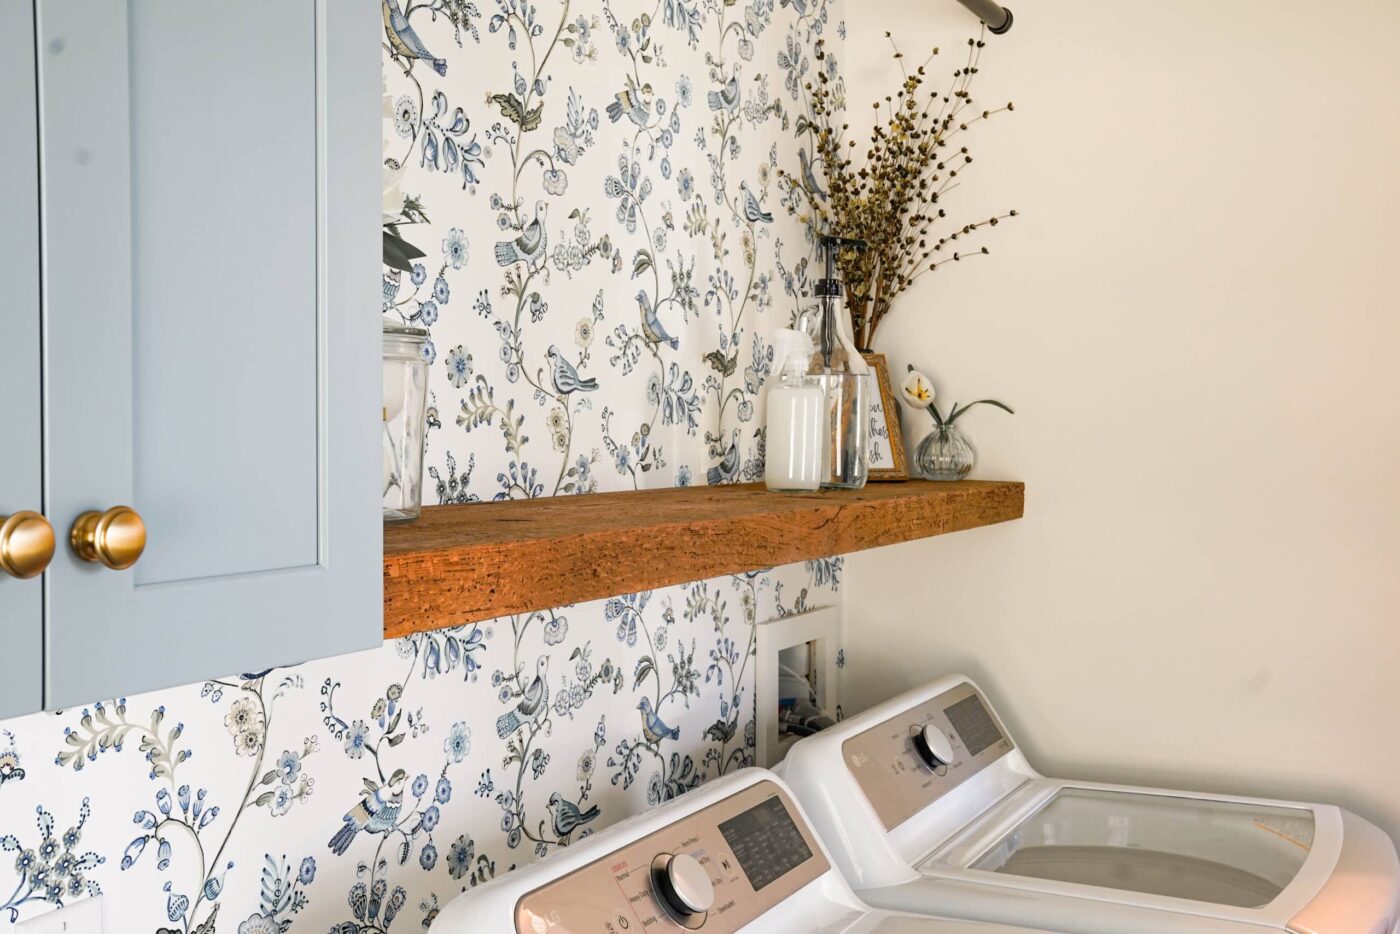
405,420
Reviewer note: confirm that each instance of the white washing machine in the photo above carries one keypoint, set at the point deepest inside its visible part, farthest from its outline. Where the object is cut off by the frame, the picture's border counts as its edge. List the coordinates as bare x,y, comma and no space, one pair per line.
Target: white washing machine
927,801
737,854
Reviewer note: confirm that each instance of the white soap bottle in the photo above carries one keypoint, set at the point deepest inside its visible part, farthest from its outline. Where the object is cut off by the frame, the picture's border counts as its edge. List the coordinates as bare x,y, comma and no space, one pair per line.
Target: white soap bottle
793,451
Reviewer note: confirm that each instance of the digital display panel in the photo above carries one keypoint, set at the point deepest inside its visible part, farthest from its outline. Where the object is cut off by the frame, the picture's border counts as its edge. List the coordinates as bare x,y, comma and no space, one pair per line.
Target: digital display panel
974,725
766,842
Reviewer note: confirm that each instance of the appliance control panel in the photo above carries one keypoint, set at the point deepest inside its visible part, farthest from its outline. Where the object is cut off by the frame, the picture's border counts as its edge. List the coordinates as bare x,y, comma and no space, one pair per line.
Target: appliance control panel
920,754
717,869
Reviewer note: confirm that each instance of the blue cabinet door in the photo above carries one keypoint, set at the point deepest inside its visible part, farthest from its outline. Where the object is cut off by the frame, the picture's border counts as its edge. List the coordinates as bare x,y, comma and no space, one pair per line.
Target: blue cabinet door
210,185
21,601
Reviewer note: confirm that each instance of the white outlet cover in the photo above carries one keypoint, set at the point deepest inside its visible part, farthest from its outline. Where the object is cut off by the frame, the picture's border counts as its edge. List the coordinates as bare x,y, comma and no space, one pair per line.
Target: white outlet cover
82,917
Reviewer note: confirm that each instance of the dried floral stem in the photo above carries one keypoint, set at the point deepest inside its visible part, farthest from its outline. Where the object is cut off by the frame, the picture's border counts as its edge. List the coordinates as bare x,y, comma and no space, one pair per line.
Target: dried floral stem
893,199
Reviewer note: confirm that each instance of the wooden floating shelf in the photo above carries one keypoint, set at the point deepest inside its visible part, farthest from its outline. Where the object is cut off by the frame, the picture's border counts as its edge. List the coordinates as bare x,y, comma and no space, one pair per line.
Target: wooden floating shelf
463,564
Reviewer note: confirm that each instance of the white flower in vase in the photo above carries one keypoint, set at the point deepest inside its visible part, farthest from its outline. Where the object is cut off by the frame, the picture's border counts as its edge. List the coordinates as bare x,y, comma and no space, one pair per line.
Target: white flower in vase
917,390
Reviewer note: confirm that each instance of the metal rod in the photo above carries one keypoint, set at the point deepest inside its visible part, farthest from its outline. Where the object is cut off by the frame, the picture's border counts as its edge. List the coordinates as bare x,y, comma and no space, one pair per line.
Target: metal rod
996,16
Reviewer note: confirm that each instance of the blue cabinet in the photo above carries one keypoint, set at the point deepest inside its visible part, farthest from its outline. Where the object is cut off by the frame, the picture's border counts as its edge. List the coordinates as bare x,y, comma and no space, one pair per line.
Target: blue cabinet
209,268
21,439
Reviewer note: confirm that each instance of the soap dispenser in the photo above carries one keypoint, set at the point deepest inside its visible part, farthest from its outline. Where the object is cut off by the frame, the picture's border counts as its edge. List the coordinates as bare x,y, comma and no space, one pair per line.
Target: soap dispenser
844,377
794,445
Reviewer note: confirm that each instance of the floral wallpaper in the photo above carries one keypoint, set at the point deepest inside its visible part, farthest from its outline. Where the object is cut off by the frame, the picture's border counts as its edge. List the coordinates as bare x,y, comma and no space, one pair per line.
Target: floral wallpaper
361,793
586,215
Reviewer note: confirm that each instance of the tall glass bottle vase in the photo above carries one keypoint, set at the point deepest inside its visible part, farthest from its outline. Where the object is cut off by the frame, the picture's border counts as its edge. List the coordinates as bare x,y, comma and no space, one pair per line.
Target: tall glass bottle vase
846,434
848,385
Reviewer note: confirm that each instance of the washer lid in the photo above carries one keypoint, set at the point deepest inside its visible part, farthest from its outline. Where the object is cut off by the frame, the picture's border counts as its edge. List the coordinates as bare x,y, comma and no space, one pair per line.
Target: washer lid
1205,850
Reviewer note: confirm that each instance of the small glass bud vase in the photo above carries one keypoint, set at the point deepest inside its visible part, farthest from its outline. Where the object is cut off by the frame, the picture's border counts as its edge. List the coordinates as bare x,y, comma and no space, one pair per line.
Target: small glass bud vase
944,454
405,420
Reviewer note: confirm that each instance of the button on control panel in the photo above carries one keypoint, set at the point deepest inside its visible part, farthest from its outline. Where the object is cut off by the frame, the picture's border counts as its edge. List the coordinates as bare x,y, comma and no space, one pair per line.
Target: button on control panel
909,760
714,870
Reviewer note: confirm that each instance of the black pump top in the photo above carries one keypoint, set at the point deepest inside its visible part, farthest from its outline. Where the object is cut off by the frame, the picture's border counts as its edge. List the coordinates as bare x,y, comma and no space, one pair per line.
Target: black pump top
830,284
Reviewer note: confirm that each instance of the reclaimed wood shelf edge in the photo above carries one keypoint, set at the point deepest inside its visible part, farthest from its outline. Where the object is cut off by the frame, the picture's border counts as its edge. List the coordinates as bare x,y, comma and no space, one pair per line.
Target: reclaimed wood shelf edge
463,564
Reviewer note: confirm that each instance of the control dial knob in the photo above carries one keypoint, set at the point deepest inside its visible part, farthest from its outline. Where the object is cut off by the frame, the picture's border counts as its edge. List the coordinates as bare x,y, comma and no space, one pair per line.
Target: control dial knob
683,887
933,747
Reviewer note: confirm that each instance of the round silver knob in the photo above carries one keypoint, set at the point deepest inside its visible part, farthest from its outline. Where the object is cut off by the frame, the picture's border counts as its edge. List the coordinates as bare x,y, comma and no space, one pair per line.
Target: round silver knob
933,747
684,885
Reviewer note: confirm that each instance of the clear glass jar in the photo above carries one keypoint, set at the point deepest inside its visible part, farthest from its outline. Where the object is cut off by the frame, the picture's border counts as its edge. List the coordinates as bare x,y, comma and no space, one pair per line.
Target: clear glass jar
405,420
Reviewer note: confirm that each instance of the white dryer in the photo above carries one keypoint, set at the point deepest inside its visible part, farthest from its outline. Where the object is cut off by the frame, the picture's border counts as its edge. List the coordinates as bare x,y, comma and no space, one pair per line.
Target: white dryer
737,854
927,801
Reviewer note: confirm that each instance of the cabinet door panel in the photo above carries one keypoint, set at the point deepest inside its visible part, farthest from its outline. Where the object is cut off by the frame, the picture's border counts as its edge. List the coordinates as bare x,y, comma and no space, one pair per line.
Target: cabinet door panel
21,601
224,333
211,189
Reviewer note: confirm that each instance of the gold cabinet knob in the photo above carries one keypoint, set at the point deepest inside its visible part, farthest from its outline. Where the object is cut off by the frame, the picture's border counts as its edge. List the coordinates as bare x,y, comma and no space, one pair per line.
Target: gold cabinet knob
26,544
114,538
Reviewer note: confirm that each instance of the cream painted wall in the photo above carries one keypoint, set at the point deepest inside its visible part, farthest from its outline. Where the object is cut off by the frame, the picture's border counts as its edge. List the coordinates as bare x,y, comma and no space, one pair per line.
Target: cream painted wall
1197,318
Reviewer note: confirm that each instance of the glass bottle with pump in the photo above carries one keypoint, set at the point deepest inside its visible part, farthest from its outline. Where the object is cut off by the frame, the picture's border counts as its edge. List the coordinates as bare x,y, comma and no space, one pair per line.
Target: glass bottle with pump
793,450
844,377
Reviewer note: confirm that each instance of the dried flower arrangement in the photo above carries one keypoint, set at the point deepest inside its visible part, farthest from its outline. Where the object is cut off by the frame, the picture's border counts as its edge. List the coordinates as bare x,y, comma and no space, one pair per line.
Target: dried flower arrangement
893,199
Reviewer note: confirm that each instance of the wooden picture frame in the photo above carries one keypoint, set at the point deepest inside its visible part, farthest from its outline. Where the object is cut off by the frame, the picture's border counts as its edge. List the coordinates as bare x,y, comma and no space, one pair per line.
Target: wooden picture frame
887,459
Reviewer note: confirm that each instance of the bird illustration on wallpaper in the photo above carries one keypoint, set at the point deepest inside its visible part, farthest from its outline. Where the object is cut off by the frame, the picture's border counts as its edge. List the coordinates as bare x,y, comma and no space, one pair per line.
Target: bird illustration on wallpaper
567,817
753,211
377,813
529,247
403,39
565,375
727,97
532,700
652,328
654,729
633,102
728,467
